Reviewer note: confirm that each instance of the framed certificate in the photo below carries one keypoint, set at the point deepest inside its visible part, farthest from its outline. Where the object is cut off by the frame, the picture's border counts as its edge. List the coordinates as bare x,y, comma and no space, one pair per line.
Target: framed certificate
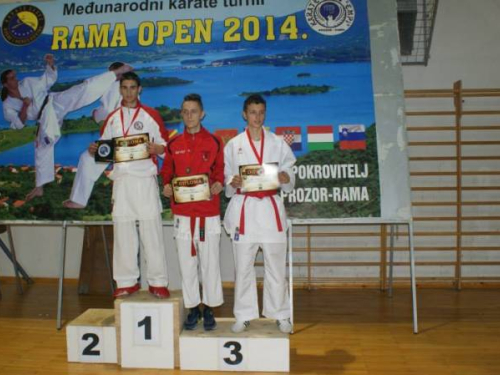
256,177
133,147
191,188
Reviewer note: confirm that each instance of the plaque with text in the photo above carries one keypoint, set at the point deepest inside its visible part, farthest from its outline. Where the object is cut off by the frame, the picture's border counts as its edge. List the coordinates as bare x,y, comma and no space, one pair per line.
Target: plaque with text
191,188
133,147
256,177
104,152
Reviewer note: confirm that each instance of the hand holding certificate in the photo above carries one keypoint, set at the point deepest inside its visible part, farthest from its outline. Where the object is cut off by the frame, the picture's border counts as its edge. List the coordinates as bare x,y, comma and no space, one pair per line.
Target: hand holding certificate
191,188
256,177
121,149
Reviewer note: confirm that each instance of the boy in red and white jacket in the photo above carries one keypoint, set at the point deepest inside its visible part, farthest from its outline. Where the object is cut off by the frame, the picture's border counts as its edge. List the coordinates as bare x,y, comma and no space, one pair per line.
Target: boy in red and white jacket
197,225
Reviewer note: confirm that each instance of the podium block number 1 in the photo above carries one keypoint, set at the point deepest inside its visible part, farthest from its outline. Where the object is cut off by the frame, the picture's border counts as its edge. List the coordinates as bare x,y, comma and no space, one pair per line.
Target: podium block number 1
90,344
233,354
147,326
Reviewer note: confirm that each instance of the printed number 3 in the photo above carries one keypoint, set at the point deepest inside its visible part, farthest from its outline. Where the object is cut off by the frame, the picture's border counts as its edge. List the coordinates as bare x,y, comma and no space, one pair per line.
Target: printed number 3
236,351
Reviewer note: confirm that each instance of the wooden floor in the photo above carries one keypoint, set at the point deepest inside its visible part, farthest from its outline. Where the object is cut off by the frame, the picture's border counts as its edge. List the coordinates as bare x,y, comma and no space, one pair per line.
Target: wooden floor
359,332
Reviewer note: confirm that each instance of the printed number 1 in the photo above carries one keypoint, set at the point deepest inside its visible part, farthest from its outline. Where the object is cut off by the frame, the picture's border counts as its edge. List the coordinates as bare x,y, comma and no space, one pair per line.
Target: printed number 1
146,322
236,351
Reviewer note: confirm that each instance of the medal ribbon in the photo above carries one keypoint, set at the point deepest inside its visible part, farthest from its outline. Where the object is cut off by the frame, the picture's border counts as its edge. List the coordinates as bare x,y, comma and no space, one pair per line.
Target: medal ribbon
259,195
260,157
136,113
190,151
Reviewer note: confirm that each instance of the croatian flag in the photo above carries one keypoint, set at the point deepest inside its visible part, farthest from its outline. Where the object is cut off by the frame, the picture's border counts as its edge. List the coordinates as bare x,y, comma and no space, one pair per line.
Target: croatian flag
226,134
320,138
291,135
352,137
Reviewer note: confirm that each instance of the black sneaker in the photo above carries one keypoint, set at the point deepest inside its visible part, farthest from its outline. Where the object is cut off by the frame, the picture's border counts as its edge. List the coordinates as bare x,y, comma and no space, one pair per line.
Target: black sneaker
209,322
192,319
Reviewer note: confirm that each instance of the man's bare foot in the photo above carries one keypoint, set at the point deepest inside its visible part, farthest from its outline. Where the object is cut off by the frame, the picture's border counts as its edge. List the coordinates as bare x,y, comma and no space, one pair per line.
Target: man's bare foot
36,192
70,204
122,69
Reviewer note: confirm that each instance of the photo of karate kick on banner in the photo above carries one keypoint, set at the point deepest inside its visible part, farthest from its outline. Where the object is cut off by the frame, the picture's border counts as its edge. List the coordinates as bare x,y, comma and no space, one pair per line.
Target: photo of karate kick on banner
310,60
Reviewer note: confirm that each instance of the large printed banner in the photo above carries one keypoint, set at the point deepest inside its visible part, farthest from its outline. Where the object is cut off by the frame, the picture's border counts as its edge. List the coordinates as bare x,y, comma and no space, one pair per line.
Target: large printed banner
310,59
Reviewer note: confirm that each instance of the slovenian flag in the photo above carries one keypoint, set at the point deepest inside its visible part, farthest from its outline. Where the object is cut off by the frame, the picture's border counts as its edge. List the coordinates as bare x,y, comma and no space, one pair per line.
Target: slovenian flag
320,138
352,137
291,135
226,134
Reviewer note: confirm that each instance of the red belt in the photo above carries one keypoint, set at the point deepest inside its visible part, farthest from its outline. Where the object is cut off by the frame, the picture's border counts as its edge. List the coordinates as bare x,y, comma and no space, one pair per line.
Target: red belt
192,223
260,195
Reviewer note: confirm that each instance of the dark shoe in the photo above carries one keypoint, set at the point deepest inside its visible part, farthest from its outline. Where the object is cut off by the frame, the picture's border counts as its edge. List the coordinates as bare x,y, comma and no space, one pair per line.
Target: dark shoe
209,322
159,291
192,319
125,292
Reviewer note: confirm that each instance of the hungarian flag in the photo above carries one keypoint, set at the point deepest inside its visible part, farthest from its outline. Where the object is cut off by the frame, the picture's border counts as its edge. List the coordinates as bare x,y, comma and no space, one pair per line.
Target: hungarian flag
226,134
320,138
352,137
291,135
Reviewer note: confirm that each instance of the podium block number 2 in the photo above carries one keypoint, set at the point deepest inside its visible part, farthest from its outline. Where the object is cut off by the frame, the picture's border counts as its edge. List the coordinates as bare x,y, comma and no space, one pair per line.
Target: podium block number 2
232,354
147,326
90,344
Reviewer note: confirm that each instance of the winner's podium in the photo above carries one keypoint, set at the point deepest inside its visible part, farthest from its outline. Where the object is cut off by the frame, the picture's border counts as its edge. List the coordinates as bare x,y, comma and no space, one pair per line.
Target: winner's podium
148,330
261,348
145,332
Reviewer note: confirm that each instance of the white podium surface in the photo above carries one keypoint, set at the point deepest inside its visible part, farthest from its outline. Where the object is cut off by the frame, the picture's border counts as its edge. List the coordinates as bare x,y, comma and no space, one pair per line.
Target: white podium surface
92,337
262,347
148,330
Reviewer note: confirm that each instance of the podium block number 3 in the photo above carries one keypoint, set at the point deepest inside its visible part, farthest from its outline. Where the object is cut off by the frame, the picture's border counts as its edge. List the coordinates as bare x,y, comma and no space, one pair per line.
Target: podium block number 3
232,354
90,344
147,326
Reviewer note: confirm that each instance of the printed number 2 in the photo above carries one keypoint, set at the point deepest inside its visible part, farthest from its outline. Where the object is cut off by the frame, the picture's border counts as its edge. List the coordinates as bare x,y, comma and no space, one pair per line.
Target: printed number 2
95,341
236,351
146,322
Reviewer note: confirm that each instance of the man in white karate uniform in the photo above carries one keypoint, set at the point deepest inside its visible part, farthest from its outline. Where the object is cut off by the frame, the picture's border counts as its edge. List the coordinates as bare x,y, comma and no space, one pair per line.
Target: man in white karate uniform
29,99
258,220
136,196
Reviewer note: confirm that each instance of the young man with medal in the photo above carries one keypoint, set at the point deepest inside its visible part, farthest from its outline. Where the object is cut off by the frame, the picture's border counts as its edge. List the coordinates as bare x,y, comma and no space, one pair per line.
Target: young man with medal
135,190
257,163
193,175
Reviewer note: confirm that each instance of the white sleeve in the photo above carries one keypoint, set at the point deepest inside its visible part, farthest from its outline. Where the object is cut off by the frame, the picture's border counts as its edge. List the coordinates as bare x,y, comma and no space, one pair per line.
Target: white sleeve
287,161
228,169
49,77
12,116
107,134
108,103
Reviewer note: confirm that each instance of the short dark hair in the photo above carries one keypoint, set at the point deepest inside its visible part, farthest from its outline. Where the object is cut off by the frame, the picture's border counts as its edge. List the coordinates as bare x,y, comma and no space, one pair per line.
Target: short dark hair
3,79
115,65
254,99
193,98
130,76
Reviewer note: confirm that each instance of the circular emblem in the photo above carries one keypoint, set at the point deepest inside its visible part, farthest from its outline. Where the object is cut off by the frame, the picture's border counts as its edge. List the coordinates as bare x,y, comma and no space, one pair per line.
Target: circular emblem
23,25
104,150
330,17
138,125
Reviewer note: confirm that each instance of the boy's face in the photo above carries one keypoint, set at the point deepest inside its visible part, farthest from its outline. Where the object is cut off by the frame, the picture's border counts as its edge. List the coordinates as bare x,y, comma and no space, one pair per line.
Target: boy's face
255,115
130,90
192,114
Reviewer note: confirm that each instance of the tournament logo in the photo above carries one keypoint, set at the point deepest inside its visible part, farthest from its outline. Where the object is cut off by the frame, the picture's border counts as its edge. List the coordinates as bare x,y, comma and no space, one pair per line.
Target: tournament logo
138,125
104,150
330,17
23,25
